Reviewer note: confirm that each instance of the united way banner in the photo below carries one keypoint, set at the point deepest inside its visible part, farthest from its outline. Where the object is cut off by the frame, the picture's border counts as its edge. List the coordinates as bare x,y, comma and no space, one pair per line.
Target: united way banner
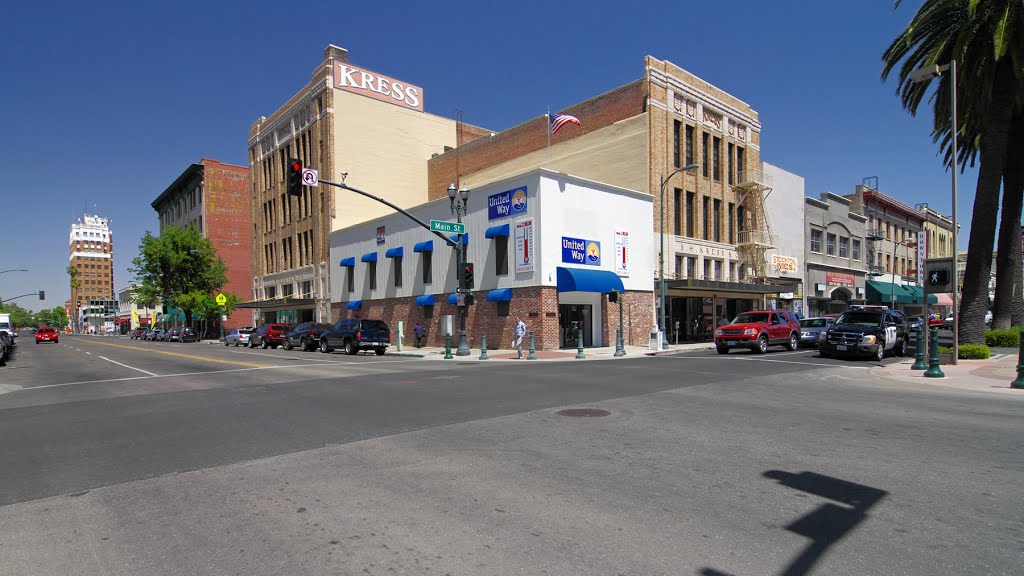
507,203
581,251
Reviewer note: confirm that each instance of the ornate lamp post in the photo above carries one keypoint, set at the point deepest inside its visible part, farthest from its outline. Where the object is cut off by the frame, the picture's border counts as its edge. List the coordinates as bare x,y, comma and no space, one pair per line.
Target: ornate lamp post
458,204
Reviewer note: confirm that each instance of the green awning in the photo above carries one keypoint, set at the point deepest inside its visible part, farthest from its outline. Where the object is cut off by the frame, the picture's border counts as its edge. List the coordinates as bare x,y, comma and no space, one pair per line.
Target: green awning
917,293
178,315
886,292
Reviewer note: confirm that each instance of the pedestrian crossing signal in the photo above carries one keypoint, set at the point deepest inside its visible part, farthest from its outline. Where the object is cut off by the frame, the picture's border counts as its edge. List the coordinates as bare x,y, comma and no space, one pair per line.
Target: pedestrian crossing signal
938,277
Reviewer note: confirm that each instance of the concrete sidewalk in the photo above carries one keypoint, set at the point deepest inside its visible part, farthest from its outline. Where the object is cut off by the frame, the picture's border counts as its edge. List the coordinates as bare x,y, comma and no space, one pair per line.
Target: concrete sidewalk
602,353
994,375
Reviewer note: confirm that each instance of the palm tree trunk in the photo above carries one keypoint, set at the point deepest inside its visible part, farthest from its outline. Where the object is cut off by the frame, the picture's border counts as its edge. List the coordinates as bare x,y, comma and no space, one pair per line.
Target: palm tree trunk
1013,184
1008,273
994,139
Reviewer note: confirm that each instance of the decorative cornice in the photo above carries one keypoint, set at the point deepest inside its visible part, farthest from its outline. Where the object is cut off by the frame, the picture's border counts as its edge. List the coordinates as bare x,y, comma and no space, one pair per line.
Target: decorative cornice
270,129
666,81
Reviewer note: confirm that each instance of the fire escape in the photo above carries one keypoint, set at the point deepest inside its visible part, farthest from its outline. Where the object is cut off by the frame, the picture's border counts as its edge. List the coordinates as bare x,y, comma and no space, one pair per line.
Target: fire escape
754,237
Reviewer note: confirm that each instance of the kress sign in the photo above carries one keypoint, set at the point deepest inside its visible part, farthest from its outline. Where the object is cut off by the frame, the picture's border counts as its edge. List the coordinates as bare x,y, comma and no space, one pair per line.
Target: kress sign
376,86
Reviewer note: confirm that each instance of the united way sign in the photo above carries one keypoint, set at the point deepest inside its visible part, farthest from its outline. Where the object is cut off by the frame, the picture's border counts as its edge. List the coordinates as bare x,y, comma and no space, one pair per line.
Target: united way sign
507,203
581,251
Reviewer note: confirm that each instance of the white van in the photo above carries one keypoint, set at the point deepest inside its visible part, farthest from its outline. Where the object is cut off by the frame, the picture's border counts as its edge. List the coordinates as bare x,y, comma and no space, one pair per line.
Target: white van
7,326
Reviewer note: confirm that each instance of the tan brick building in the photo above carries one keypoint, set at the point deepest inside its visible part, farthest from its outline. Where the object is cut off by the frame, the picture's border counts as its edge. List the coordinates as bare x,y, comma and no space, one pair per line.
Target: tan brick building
716,232
213,197
91,247
346,119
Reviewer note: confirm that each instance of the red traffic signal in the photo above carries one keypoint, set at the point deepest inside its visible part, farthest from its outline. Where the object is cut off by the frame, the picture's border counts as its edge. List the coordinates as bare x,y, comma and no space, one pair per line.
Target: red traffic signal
294,179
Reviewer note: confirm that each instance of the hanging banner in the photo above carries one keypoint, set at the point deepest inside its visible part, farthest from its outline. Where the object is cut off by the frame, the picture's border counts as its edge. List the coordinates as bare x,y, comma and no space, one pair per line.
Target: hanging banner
524,246
622,253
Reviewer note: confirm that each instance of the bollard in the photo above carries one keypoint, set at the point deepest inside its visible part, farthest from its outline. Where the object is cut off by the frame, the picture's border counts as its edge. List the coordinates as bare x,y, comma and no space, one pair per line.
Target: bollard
579,346
448,347
1019,382
933,359
619,349
533,351
919,363
483,347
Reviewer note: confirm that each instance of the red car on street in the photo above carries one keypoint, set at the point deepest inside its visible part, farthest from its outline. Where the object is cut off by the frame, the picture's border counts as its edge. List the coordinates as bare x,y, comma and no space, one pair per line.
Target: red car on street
757,330
46,334
269,336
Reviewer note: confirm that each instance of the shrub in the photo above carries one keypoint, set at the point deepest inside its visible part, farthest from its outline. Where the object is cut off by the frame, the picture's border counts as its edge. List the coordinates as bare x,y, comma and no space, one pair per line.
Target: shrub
1003,338
945,349
974,352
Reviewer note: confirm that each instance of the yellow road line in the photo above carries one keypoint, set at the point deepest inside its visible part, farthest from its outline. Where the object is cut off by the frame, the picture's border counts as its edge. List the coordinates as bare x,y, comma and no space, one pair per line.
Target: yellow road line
178,354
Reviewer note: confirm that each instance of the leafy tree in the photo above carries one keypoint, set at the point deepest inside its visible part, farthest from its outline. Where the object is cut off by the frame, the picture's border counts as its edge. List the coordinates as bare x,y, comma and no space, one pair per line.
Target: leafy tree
56,316
176,263
986,38
205,305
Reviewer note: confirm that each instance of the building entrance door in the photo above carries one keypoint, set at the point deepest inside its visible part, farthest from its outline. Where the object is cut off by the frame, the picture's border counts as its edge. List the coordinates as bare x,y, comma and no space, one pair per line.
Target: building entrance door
573,319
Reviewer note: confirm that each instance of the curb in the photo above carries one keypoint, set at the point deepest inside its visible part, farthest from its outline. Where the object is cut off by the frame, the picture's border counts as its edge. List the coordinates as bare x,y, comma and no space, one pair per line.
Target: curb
677,350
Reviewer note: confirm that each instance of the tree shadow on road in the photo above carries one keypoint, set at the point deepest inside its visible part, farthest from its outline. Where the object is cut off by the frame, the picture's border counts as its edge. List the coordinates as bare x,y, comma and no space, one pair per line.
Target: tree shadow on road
826,525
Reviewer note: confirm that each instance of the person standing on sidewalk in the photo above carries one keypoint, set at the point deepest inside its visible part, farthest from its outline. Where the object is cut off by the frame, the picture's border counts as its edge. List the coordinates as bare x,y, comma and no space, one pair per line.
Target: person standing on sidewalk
520,334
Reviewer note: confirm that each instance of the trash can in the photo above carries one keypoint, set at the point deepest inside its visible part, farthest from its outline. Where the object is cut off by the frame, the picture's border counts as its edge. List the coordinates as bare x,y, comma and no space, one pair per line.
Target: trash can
655,339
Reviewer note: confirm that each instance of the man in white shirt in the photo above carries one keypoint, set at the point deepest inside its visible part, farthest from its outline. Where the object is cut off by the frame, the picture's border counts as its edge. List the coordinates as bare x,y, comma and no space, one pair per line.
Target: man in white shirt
520,333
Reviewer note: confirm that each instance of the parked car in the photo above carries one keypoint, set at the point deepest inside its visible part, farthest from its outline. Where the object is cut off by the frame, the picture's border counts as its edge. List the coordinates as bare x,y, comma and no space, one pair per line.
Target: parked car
269,336
189,335
238,336
137,333
46,334
173,335
758,330
354,334
156,334
866,331
811,329
5,347
305,336
915,323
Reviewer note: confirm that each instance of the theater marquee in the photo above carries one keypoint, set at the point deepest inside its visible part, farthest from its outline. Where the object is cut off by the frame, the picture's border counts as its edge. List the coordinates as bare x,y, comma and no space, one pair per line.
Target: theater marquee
372,85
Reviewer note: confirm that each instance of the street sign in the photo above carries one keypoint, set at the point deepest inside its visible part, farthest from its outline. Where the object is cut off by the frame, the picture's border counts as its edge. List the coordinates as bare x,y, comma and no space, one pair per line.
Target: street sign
447,227
221,299
310,177
460,299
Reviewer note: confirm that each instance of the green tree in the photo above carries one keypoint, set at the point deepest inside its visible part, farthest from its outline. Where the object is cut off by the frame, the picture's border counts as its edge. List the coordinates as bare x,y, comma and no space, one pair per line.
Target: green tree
176,263
57,316
204,304
73,276
985,38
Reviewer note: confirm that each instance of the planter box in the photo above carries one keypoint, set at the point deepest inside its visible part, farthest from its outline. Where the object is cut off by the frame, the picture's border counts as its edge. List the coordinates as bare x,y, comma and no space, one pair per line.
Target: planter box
946,358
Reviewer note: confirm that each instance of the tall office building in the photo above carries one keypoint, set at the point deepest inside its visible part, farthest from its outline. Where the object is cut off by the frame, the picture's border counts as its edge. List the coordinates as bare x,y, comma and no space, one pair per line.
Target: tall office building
91,247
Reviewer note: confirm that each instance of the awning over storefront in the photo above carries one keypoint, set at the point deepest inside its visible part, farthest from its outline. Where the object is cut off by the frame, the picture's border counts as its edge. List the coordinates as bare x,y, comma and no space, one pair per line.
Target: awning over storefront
425,300
500,295
425,246
278,302
354,305
722,286
495,231
161,317
122,320
455,238
583,280
394,253
917,293
886,292
943,299
349,262
369,257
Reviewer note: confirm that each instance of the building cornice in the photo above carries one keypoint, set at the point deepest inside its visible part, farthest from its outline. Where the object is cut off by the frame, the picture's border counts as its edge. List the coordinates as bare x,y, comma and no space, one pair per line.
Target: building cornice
667,81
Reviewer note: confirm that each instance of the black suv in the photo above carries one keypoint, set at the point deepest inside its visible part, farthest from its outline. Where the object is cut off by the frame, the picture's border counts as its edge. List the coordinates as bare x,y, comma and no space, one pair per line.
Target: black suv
305,336
353,335
866,331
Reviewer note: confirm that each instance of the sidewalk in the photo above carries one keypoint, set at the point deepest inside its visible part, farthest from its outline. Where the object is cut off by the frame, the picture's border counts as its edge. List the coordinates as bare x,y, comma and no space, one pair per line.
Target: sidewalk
603,353
992,375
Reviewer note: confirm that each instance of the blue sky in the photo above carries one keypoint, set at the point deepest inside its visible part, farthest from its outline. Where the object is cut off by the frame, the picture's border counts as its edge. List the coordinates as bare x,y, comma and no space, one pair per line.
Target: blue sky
107,103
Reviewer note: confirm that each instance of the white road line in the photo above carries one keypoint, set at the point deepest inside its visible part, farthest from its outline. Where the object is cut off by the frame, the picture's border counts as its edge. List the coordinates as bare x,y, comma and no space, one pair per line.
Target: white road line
819,365
89,353
127,366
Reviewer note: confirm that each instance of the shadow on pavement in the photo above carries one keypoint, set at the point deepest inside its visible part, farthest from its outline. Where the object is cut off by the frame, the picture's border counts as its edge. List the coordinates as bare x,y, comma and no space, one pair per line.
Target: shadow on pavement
826,525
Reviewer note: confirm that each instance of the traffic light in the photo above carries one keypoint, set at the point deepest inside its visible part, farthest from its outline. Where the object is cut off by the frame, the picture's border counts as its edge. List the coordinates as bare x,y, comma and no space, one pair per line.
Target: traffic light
42,294
938,277
467,276
294,177
613,297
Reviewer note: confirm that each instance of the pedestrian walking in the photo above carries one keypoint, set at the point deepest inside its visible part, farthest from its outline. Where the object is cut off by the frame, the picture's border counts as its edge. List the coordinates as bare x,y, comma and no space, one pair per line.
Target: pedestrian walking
520,334
419,332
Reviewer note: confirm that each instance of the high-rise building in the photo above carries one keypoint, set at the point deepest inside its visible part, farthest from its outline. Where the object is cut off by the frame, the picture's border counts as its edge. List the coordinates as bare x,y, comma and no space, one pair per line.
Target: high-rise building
91,247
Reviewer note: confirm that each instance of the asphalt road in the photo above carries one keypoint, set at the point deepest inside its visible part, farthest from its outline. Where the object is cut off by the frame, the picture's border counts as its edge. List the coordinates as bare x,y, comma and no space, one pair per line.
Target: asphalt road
124,457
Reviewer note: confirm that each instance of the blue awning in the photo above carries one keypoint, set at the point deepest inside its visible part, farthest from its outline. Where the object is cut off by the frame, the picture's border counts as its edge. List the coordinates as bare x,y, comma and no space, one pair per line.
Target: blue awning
425,300
500,295
495,231
350,261
394,253
455,238
369,257
583,280
453,299
425,246
354,305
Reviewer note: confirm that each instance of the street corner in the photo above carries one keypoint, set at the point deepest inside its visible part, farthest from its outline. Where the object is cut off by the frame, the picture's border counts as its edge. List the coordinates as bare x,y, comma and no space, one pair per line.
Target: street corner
992,375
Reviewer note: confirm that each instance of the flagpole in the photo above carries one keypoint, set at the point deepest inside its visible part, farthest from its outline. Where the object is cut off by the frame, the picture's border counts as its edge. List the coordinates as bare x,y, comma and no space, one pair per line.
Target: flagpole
547,125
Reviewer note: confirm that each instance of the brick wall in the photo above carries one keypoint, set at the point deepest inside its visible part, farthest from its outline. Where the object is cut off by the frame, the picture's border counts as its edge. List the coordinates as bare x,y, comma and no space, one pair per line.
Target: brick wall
637,319
227,224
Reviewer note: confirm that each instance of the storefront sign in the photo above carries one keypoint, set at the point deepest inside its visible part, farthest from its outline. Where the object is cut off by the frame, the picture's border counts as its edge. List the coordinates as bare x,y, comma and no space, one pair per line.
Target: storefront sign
524,246
380,235
784,263
580,251
507,203
372,85
922,255
696,249
622,253
786,295
839,279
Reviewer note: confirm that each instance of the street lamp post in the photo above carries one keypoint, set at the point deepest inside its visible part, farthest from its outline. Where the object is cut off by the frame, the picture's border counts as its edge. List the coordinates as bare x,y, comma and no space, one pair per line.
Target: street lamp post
14,270
458,207
925,75
892,286
661,254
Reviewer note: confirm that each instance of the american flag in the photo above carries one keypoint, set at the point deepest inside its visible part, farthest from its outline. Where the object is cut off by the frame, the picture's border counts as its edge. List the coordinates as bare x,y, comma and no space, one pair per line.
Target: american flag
559,120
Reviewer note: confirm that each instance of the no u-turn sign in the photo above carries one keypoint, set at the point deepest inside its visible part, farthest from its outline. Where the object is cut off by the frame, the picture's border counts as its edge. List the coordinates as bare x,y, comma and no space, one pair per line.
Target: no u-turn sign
309,177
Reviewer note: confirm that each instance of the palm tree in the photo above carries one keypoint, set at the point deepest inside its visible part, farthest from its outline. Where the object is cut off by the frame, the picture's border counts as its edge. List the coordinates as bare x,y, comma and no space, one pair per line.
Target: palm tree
1008,262
984,37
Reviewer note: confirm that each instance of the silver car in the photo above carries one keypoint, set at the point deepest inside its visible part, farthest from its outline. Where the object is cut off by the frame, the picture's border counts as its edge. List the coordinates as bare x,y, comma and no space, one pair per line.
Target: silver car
238,336
810,328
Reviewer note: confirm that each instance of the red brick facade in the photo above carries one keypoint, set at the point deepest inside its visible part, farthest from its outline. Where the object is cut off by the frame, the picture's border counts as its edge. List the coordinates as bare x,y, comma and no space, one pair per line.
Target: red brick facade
227,224
536,305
